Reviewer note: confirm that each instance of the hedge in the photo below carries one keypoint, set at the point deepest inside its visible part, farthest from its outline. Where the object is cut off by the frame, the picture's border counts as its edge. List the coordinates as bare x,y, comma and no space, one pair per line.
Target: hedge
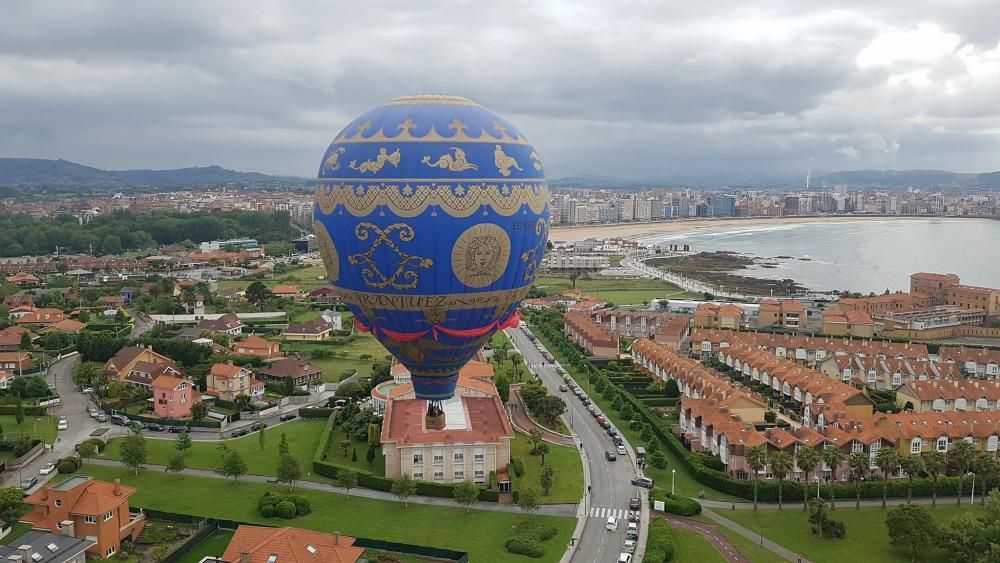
660,543
674,504
318,412
205,423
29,410
659,401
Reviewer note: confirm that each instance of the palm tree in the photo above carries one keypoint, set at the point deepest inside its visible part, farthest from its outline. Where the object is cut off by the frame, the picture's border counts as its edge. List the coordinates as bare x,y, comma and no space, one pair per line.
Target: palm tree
934,464
833,457
781,464
912,465
807,459
858,464
887,460
960,455
757,461
985,467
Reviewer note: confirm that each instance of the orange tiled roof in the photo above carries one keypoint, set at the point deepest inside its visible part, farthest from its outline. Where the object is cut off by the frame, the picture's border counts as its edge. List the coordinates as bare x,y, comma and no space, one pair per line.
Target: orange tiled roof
290,545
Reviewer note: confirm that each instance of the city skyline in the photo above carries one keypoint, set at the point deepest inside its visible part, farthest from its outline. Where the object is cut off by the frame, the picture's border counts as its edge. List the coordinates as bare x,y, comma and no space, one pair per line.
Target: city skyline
775,90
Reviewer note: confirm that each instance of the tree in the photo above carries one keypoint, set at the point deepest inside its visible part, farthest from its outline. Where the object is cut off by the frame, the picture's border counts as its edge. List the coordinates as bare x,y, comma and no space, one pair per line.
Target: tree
288,386
19,413
960,455
546,479
807,459
176,463
133,451
912,465
985,467
86,450
887,460
262,438
757,461
233,465
541,449
354,454
911,526
781,465
346,479
10,502
283,445
534,435
833,457
370,456
345,445
466,493
242,400
529,500
374,435
403,488
183,441
858,464
199,411
26,345
288,470
258,293
934,465
658,460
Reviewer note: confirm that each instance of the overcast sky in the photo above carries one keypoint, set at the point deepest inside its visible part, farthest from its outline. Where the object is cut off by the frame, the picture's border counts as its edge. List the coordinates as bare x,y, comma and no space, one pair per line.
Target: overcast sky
628,89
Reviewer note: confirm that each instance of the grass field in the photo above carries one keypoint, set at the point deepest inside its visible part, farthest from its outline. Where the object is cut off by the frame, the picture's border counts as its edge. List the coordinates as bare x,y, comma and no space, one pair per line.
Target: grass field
335,454
750,549
41,427
691,546
213,545
619,292
303,439
568,483
333,368
480,533
865,527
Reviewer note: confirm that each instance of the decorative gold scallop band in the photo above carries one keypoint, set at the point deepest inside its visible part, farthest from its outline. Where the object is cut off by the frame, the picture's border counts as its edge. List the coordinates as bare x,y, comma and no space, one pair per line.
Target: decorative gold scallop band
406,200
446,302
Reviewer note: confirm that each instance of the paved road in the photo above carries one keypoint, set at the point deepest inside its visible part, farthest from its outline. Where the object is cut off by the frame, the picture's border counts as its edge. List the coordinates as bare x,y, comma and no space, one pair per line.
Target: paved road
610,481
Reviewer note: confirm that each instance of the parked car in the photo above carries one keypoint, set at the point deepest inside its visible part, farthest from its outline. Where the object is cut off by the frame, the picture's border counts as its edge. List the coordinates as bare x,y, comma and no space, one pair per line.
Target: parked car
612,431
47,469
256,426
621,449
628,546
238,433
63,424
610,455
612,524
120,420
585,401
154,427
137,425
176,429
605,424
634,503
93,412
101,417
26,484
287,416
563,388
625,558
632,532
644,482
617,441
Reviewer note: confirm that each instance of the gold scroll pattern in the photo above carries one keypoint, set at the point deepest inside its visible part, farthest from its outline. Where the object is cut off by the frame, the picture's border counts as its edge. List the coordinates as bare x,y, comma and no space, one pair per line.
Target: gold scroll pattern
531,257
404,276
331,259
411,200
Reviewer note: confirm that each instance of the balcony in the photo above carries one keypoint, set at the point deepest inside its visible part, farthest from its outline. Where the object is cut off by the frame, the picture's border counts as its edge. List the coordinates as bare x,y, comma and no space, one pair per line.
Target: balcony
136,520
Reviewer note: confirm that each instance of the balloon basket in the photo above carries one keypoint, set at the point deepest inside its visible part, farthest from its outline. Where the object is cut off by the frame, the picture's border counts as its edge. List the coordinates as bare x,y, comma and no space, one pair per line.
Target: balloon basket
434,422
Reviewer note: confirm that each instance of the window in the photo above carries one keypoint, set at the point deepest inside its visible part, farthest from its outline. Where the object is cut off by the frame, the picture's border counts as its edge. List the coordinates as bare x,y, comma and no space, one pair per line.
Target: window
58,503
942,444
991,443
418,459
439,475
90,519
897,379
857,446
460,475
109,515
479,456
418,475
459,457
111,551
479,474
915,445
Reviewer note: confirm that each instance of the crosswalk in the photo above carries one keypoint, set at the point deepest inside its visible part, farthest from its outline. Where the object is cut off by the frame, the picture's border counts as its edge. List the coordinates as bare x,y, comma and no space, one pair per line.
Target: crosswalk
536,366
605,512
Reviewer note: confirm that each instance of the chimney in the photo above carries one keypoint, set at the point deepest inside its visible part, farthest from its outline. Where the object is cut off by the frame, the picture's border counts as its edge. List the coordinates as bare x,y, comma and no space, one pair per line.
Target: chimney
118,487
244,556
67,528
25,552
336,538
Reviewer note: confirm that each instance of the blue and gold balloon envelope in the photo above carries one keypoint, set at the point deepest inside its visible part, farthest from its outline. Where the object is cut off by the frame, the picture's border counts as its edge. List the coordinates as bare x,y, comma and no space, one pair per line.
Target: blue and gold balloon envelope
432,217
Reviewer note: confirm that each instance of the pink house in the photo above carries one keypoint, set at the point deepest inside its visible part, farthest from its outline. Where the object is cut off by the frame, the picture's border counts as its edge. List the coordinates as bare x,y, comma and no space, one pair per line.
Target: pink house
173,396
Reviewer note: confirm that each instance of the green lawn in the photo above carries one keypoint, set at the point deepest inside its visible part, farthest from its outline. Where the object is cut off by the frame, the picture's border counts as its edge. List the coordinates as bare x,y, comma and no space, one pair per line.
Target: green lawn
481,533
750,549
865,527
567,487
691,546
335,454
303,439
214,544
41,427
362,344
619,292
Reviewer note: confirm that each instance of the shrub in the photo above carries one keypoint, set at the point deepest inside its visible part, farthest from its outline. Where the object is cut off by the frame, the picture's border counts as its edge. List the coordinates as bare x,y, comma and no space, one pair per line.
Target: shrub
674,504
524,546
660,543
536,530
68,465
286,509
517,465
271,505
267,511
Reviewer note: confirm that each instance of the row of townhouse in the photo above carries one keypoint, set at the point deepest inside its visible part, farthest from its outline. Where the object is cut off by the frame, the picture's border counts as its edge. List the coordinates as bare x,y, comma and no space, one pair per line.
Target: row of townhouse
949,395
710,428
981,363
885,373
666,328
581,330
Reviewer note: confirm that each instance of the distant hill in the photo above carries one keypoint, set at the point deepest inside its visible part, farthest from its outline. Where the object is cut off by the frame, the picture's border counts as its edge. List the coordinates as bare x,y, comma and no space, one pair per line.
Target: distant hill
42,172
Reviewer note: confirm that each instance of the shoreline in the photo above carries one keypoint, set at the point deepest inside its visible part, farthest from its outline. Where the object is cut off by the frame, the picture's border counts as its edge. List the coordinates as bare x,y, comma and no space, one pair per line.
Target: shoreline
640,230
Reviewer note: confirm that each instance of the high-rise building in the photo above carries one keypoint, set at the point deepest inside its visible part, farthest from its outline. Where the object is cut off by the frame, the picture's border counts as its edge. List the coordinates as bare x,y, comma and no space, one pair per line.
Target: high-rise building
723,205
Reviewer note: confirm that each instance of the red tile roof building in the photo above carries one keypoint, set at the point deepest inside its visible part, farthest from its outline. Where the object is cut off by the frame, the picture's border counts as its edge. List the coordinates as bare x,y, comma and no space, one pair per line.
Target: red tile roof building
173,397
589,335
258,544
784,313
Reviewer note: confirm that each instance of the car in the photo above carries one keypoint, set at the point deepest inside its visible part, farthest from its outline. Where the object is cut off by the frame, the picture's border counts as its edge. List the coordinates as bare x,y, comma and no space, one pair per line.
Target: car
176,429
101,417
563,388
625,558
634,503
610,455
256,426
120,420
137,425
63,424
644,482
632,532
154,427
287,416
585,401
612,431
621,449
238,433
47,469
93,412
612,524
26,484
617,441
605,424
600,419
628,546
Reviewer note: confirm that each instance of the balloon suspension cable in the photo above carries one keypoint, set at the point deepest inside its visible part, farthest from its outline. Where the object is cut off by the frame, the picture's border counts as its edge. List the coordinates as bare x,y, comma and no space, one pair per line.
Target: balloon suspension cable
434,408
434,420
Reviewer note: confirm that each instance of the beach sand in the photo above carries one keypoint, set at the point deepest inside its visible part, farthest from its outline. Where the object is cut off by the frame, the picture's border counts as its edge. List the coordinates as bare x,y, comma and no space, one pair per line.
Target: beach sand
638,230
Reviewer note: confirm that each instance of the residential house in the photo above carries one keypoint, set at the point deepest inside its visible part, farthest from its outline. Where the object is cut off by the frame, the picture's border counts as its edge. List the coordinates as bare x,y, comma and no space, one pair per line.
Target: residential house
10,338
302,372
20,299
898,301
848,323
122,363
37,546
23,279
226,381
312,330
111,301
592,337
335,318
233,293
67,326
173,396
6,379
949,395
259,544
710,315
981,363
143,374
286,290
783,313
228,323
475,443
254,345
83,507
325,295
16,361
41,317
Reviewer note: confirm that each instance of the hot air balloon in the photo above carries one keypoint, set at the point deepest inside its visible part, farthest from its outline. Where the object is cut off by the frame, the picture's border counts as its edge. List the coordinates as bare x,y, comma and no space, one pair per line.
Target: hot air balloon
431,215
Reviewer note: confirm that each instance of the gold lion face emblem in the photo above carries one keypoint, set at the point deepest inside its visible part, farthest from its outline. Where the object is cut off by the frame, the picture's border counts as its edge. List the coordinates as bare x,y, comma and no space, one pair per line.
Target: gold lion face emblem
480,255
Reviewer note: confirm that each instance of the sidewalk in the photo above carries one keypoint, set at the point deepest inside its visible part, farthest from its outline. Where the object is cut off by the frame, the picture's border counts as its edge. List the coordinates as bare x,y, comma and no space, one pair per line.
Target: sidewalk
568,510
842,503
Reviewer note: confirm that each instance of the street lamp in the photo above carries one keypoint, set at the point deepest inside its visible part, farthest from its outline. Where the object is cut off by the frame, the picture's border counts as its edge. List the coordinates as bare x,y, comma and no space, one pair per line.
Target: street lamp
972,497
818,481
673,476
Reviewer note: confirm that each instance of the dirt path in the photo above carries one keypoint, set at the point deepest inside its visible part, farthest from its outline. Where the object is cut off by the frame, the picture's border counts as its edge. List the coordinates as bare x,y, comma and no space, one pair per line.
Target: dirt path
709,532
